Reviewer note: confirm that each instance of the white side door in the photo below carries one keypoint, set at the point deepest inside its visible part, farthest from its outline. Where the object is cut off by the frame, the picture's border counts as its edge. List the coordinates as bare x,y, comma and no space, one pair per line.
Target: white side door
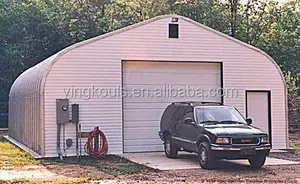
258,108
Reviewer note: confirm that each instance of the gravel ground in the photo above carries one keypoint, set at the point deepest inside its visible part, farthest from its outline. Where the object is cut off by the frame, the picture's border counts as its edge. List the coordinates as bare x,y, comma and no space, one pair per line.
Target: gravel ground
112,170
229,173
226,173
124,172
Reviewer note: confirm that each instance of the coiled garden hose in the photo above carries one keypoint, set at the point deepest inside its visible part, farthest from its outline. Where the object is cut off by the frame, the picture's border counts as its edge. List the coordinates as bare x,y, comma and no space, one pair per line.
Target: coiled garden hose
96,145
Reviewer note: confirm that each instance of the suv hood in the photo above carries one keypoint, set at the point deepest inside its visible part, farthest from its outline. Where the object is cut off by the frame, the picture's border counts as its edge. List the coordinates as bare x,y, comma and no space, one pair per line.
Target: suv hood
233,130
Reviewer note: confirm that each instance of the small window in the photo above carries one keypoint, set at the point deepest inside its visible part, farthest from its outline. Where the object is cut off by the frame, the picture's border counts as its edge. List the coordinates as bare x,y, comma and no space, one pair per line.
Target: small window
173,31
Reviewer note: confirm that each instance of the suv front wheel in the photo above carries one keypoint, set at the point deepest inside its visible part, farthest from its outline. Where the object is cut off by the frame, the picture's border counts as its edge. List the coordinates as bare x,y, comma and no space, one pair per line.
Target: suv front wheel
257,161
206,159
171,150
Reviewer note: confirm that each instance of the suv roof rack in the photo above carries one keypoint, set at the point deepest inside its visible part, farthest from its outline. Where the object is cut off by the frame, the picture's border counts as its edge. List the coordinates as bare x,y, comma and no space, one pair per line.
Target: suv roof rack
194,103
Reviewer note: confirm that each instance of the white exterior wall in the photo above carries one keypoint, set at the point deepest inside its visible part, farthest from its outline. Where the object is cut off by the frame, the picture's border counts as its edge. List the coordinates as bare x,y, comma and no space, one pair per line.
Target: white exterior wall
99,63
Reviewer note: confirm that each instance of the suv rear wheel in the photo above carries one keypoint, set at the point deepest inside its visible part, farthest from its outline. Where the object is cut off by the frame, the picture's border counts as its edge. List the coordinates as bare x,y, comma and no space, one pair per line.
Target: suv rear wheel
171,150
257,161
206,159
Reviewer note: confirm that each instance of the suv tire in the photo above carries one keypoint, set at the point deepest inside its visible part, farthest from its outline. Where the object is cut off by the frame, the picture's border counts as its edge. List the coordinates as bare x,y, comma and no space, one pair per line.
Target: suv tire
205,156
171,150
257,161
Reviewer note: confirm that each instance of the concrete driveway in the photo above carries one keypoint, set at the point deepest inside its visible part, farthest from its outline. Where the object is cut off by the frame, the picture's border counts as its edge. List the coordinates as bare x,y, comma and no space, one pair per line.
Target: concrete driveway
158,160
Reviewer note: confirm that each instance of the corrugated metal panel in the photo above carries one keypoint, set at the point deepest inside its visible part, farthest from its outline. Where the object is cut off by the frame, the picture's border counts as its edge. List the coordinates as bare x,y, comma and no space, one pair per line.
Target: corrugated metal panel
25,123
78,84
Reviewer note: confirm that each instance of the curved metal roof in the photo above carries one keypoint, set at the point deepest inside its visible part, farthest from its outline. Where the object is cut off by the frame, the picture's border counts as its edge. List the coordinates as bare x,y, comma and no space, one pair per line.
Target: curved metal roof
30,80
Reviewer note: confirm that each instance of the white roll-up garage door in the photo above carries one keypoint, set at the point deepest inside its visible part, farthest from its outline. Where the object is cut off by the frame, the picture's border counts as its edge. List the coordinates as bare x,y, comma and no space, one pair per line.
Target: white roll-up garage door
149,87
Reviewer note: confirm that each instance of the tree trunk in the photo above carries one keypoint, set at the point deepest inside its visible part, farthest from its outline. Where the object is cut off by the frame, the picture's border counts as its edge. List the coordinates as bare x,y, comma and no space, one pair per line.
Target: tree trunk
233,11
172,5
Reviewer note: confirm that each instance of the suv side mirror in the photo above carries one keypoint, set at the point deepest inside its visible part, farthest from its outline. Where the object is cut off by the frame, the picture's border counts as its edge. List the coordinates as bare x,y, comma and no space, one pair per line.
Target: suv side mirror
189,121
249,121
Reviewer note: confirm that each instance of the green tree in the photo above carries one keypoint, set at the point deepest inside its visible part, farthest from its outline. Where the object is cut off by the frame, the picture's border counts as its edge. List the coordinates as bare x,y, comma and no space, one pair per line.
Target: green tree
282,40
293,98
145,9
256,18
78,19
26,38
212,13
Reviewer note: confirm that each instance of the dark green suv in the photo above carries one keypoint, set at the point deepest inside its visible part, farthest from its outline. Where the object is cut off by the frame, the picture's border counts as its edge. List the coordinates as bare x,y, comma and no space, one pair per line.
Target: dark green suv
214,131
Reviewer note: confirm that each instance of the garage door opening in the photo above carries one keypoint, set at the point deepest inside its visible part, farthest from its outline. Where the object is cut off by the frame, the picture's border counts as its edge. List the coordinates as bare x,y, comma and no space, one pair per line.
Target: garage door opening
149,87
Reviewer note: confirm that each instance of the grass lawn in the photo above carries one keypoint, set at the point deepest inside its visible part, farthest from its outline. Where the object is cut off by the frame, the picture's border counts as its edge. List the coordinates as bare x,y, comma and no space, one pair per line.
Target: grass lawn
75,171
297,149
11,156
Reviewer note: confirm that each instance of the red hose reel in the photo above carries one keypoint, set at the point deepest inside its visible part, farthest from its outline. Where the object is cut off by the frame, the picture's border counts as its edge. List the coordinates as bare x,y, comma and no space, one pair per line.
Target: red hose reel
96,145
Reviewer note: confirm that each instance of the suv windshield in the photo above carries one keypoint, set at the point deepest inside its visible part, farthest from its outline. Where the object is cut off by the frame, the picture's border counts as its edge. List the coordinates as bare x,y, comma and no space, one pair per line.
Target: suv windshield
218,114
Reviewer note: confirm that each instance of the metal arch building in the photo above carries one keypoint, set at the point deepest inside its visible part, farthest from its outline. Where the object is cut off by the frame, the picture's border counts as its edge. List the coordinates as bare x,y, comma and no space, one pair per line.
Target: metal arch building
150,54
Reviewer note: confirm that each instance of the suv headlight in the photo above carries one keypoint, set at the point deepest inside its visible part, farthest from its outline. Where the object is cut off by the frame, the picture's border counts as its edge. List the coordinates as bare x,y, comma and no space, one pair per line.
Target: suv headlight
222,140
264,140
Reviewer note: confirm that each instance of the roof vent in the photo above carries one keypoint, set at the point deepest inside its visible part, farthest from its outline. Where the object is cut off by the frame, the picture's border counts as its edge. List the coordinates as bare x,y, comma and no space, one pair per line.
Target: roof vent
173,31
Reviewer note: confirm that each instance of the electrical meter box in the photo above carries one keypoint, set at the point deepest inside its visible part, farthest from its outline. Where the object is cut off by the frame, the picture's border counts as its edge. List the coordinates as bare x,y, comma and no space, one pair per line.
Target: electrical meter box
75,113
62,111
